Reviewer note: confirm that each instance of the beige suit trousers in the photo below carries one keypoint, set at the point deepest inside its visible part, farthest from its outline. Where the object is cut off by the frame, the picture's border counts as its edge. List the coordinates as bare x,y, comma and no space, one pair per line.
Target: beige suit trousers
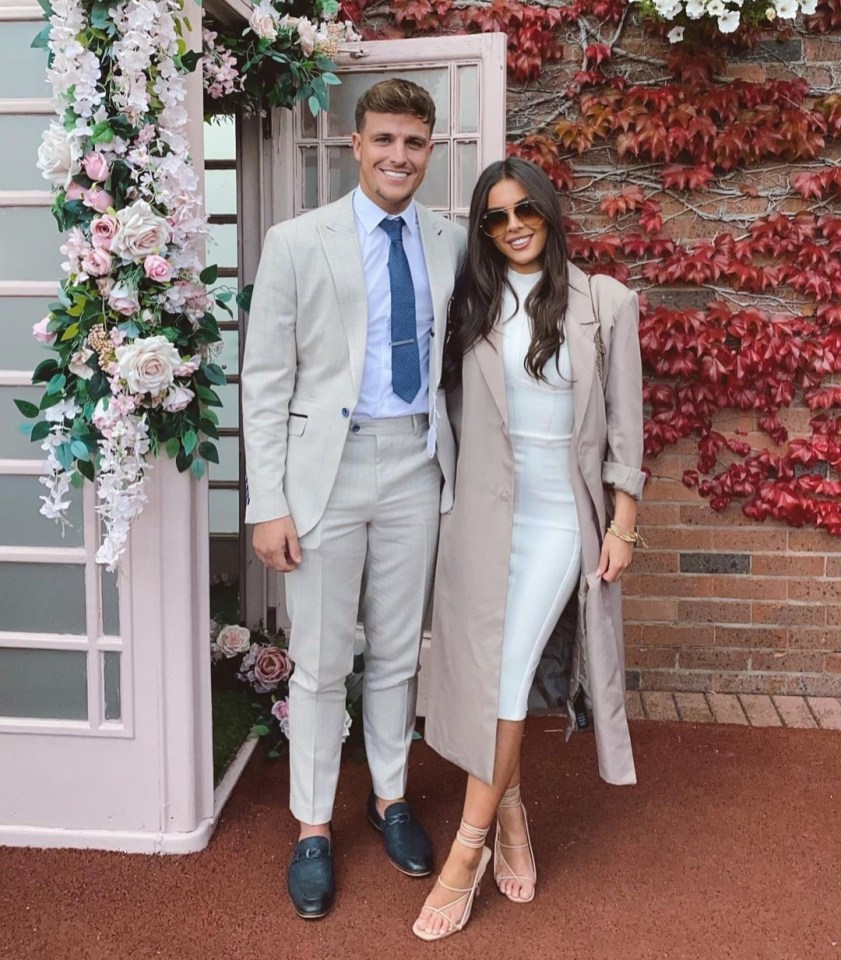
377,538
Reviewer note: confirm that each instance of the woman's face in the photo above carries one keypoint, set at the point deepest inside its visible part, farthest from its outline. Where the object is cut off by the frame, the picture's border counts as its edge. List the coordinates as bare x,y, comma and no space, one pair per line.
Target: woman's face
521,242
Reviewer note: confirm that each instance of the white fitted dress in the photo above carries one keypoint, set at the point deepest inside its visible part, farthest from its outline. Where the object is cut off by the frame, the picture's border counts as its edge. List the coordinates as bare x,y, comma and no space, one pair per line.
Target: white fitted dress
545,542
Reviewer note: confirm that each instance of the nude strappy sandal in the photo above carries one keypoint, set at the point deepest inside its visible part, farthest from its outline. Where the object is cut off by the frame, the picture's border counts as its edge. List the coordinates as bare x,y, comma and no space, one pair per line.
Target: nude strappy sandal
502,869
474,838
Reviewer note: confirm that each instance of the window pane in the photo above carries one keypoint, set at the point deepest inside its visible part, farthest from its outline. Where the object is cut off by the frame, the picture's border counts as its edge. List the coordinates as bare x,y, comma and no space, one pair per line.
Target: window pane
220,191
42,597
21,351
467,155
25,71
29,242
228,357
340,119
19,170
309,184
110,603
111,685
46,684
224,511
468,114
220,139
435,189
228,413
307,123
228,466
222,248
13,444
21,525
343,171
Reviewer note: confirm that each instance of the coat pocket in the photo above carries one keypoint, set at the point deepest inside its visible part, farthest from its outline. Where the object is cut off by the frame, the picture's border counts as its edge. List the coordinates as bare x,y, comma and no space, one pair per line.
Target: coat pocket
297,424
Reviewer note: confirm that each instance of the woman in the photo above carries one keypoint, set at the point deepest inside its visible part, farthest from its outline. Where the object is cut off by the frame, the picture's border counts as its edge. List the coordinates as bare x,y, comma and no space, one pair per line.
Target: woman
546,401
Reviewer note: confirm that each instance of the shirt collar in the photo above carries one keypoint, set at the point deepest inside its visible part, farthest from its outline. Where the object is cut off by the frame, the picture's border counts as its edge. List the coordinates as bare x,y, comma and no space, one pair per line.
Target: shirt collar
370,215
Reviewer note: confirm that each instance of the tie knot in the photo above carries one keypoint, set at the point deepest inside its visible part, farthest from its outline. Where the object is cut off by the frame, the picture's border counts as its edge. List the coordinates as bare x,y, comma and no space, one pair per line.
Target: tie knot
393,227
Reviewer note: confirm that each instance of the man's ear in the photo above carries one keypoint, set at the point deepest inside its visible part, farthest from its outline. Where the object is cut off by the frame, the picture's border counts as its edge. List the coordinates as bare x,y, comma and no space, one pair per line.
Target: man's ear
356,143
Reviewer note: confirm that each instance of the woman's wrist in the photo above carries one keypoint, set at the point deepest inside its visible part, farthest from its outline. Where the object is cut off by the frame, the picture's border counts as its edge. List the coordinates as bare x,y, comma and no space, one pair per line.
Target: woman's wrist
629,535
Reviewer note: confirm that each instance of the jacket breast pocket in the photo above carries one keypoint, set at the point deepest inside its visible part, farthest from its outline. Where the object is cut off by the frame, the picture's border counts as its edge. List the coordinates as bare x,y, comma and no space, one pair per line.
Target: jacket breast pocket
297,424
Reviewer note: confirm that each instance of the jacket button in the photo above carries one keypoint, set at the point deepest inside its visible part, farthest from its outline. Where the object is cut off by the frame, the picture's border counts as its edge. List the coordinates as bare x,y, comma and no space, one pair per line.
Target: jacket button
432,333
345,412
355,428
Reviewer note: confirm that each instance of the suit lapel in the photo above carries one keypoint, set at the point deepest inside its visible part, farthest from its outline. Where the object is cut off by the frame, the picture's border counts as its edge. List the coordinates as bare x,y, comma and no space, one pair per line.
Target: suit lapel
439,269
344,259
489,357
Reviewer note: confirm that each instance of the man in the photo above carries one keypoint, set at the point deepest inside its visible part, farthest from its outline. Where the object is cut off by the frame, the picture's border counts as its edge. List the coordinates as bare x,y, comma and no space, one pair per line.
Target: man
346,440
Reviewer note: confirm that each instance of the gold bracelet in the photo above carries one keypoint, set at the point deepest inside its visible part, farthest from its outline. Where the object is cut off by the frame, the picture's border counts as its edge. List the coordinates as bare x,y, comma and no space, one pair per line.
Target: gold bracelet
629,536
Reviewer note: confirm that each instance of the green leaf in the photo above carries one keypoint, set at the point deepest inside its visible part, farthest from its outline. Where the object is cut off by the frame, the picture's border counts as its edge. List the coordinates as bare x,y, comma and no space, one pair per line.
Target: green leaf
129,328
211,416
76,480
314,104
331,79
206,426
183,461
197,469
190,60
223,296
210,397
70,332
172,446
44,371
260,730
47,7
80,450
28,409
214,373
39,431
101,133
244,297
100,19
85,467
57,384
189,441
64,455
209,274
42,38
98,386
209,452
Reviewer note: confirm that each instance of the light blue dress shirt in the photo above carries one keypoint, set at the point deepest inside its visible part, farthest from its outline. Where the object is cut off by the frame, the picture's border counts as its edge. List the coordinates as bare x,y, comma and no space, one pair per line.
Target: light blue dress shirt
377,400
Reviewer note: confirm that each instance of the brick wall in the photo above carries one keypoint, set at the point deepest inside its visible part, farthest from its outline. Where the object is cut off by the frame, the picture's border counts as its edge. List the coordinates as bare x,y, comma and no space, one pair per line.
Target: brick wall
718,602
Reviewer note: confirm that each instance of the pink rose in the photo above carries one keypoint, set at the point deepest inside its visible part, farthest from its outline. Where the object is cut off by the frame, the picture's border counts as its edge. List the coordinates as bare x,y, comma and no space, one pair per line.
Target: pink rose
280,709
188,367
97,263
157,268
234,640
272,665
75,192
102,231
177,398
98,199
123,299
40,332
96,166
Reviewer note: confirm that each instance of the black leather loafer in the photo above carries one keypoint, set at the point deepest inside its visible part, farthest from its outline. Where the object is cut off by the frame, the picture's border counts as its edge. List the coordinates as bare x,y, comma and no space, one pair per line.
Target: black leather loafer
310,878
406,843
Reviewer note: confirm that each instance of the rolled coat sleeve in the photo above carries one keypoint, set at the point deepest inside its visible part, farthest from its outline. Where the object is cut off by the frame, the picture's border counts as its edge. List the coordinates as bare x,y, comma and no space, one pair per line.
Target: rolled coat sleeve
623,402
268,378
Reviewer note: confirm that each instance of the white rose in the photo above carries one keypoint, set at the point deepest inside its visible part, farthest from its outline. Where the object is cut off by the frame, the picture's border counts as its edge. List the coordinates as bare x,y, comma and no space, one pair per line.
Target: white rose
233,640
729,21
177,398
675,35
59,155
140,232
307,34
148,365
264,21
79,363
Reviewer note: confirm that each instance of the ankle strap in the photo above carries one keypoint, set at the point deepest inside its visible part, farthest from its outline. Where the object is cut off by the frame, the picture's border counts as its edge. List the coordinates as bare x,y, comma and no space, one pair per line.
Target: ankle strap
511,797
469,836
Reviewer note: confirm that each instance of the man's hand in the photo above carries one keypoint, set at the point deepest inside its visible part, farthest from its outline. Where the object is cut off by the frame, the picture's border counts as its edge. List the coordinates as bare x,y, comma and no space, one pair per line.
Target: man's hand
276,544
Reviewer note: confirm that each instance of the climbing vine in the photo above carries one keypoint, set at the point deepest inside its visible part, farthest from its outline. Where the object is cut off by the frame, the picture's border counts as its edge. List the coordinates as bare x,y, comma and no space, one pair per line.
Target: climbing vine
716,196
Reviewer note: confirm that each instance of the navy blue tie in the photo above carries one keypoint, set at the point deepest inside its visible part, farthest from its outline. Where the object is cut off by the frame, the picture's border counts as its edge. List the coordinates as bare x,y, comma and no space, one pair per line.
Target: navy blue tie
405,357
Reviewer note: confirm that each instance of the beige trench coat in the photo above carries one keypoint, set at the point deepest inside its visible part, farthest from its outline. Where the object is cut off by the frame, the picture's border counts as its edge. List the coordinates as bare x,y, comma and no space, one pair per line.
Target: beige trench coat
471,579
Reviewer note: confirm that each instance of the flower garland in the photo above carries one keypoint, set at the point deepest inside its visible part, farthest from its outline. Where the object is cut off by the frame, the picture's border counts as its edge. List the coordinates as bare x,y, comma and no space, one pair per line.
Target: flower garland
132,330
278,60
727,15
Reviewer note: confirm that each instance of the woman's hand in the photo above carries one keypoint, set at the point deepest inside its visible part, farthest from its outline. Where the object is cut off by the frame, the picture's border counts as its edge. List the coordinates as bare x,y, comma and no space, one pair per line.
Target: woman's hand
615,559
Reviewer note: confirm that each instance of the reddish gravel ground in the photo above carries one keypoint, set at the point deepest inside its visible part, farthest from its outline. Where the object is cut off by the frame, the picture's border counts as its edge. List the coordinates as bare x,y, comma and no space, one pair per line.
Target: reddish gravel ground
730,847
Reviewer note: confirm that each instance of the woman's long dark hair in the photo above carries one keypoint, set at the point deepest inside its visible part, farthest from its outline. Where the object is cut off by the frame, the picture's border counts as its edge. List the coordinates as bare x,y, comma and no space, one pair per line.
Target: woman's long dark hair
479,288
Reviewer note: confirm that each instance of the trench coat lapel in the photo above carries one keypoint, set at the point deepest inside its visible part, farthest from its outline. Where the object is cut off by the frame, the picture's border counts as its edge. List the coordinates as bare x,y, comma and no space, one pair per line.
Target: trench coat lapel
344,260
580,329
488,355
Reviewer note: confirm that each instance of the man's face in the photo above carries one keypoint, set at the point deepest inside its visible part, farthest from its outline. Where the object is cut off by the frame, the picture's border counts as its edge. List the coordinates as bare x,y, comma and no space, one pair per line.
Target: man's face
393,151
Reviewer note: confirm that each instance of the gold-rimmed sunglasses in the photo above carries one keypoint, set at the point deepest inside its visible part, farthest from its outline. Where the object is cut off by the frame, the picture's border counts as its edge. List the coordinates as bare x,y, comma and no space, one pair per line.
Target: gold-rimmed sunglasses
494,223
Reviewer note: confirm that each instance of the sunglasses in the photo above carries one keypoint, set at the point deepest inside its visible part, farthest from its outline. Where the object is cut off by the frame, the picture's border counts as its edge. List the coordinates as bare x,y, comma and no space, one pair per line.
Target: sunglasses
494,223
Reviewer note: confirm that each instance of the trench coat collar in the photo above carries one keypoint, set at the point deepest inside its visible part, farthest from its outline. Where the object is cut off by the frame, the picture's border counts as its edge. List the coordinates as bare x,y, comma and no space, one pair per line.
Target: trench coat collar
580,325
340,240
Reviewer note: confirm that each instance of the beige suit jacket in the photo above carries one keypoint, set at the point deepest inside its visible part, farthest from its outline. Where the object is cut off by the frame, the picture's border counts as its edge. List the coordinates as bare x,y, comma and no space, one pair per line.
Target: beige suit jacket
305,352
